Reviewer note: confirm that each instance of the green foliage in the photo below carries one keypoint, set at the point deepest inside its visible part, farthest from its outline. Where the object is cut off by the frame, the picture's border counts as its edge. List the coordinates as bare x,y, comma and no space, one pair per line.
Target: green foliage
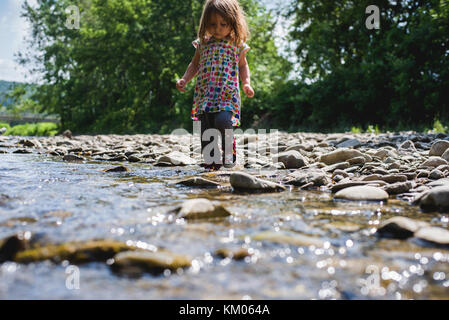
396,77
438,127
4,125
33,129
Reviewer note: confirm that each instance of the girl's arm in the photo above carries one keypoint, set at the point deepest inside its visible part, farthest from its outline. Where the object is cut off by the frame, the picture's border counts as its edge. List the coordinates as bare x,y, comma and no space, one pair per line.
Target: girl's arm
245,76
191,71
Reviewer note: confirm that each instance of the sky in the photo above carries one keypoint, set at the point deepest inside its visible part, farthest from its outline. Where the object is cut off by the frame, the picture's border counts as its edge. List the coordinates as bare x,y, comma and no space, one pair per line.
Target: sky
14,28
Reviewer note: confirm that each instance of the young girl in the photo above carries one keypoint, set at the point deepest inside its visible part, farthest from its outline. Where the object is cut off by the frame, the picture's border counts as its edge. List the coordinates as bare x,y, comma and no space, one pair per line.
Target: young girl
219,60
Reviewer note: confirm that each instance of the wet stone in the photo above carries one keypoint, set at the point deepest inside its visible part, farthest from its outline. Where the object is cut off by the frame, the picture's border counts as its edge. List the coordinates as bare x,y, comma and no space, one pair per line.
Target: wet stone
362,193
198,182
194,209
241,181
238,254
117,169
437,199
136,262
72,158
434,235
398,188
400,227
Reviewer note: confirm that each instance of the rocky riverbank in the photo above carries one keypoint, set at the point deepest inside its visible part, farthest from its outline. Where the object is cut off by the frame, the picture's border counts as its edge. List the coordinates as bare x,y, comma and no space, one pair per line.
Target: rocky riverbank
408,166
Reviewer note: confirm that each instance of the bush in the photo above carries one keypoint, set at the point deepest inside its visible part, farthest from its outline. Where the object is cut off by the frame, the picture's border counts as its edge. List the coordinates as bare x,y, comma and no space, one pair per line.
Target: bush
34,129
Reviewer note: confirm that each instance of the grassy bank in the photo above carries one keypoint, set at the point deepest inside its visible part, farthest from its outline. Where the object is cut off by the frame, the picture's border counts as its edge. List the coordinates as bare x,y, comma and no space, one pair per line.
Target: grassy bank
31,129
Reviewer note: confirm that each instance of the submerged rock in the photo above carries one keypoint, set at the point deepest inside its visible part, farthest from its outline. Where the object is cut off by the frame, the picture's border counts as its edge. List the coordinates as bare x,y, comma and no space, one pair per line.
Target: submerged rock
98,250
117,169
201,209
362,193
136,262
198,182
72,158
295,239
238,254
246,182
400,227
434,235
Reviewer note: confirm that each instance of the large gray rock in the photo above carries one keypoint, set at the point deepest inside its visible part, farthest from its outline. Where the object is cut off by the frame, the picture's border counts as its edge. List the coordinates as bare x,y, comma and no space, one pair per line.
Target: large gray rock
246,182
362,193
292,159
438,148
437,199
400,227
339,155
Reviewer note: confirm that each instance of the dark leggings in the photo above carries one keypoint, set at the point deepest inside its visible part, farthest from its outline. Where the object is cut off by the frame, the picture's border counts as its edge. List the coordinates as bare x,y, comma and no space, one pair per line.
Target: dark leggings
222,121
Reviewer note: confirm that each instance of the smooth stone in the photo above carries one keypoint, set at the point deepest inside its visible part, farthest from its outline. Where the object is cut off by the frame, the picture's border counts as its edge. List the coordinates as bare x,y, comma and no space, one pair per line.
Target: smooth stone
175,158
438,148
292,159
295,239
400,227
340,165
356,160
408,145
346,183
434,162
117,169
339,155
434,235
22,151
362,193
435,199
439,183
198,182
146,261
72,158
245,181
238,254
350,143
398,187
436,174
202,209
299,178
96,250
445,155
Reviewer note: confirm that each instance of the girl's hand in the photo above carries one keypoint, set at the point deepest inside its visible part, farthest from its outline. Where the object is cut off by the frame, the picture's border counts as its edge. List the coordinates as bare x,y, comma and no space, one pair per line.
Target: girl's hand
181,85
249,91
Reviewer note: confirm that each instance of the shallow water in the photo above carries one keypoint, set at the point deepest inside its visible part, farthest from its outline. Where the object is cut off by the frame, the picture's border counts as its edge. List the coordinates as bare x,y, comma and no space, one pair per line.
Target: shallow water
352,263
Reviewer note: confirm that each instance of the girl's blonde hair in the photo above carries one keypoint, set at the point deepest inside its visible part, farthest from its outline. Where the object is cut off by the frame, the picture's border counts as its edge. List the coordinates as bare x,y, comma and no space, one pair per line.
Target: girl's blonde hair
232,13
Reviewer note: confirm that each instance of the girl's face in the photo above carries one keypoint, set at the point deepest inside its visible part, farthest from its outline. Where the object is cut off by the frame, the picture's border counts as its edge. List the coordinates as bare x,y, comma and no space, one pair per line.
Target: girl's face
218,27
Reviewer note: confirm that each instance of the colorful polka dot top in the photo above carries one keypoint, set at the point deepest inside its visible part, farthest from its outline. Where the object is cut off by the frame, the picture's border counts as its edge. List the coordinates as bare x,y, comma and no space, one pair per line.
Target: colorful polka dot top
217,86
